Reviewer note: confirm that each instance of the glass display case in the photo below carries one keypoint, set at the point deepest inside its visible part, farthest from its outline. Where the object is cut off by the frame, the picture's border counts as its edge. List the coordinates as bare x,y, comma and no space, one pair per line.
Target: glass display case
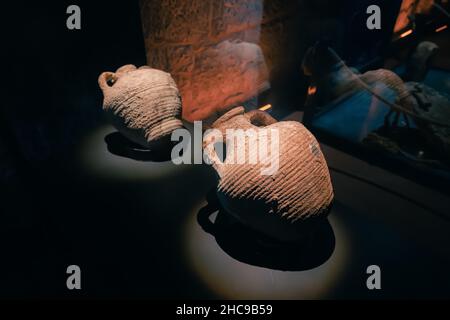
393,111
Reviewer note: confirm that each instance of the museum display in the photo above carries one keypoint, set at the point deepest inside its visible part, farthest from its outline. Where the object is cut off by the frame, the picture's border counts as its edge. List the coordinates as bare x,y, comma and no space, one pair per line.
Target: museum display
209,150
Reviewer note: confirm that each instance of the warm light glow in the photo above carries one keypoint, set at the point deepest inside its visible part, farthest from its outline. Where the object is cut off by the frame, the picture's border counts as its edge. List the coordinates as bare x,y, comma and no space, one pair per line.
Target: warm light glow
266,107
406,10
406,33
442,28
311,90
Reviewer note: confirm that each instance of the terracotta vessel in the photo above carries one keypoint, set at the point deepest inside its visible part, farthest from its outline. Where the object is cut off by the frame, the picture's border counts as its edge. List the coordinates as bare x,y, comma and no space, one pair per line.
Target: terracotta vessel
281,203
142,103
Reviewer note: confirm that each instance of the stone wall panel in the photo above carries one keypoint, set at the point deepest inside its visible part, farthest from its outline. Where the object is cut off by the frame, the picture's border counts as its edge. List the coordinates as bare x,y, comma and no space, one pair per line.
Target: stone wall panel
212,48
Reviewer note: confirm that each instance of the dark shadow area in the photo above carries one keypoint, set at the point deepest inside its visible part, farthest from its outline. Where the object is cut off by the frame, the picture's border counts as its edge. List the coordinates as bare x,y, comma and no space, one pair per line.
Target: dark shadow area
252,247
121,146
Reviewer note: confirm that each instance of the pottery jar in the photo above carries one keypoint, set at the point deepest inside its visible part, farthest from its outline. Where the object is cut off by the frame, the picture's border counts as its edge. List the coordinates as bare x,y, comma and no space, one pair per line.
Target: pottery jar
281,203
142,103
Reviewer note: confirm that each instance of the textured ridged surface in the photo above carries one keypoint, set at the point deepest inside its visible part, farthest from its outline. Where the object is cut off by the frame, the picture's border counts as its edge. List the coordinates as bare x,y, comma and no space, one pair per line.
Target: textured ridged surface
299,189
145,103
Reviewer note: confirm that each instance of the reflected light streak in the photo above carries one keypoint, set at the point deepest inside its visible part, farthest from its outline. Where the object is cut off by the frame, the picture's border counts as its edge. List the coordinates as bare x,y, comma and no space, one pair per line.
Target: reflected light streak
266,107
406,33
442,28
231,279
